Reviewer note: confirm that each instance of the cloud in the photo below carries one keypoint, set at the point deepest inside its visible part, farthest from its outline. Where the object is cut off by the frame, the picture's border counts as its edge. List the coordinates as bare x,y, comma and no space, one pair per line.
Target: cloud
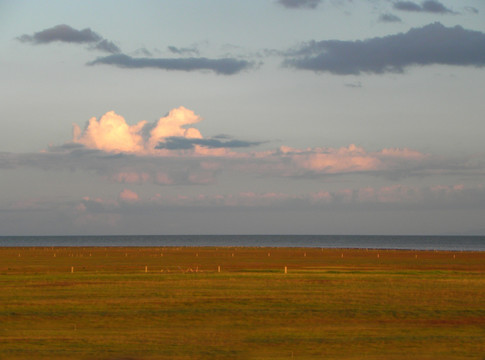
388,196
435,7
299,4
332,161
112,214
407,6
171,151
197,167
428,45
182,51
107,46
350,159
194,167
111,132
430,6
128,196
65,33
392,196
96,205
389,18
224,66
471,9
181,143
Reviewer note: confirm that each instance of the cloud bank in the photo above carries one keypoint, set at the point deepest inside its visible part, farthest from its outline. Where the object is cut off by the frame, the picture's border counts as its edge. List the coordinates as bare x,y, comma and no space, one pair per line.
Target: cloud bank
115,213
171,151
395,196
429,45
224,66
67,34
173,136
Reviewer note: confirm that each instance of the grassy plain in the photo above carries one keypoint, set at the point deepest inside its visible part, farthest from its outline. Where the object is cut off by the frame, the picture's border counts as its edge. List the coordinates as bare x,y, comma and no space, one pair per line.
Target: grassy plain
173,303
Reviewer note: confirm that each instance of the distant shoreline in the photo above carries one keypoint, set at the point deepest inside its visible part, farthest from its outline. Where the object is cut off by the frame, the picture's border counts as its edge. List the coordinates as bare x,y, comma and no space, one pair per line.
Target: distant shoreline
228,247
401,242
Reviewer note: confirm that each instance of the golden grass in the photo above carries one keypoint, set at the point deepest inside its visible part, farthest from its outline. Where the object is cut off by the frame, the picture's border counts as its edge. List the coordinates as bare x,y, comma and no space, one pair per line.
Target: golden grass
332,303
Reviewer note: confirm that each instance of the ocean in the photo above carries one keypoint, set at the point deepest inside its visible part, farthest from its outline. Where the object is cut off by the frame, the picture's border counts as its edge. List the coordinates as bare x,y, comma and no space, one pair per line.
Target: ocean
450,243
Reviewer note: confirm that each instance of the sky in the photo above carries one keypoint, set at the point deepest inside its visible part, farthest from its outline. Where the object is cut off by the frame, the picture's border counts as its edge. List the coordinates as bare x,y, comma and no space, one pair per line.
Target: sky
242,117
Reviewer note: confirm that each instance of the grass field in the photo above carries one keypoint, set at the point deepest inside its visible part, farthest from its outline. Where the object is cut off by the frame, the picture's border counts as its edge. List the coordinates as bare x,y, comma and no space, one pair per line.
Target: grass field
238,303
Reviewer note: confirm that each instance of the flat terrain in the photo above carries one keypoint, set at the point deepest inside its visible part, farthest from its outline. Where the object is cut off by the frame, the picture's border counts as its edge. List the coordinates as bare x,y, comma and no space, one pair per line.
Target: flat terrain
238,303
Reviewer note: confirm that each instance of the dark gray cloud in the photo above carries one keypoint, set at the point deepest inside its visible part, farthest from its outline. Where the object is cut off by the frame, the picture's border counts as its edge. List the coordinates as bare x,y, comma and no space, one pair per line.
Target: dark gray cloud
431,44
430,6
63,33
298,4
224,66
219,142
435,7
183,51
67,34
407,6
389,18
107,46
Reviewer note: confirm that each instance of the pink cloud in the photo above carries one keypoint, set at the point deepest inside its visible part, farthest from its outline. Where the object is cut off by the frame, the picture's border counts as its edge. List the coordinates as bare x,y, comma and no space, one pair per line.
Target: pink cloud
337,163
174,125
111,133
128,196
346,159
402,153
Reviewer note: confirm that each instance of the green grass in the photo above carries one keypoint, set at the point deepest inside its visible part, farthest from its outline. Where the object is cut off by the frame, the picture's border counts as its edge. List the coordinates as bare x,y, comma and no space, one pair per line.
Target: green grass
361,306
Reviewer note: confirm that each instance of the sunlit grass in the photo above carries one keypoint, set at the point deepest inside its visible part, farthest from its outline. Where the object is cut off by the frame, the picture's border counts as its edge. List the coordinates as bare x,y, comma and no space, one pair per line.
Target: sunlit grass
332,304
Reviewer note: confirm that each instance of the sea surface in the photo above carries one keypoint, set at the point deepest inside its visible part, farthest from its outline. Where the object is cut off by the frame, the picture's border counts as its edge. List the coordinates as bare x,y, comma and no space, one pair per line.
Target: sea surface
453,243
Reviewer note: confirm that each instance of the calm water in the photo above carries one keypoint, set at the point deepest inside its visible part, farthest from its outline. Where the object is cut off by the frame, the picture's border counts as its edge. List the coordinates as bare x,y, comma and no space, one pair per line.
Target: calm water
457,243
